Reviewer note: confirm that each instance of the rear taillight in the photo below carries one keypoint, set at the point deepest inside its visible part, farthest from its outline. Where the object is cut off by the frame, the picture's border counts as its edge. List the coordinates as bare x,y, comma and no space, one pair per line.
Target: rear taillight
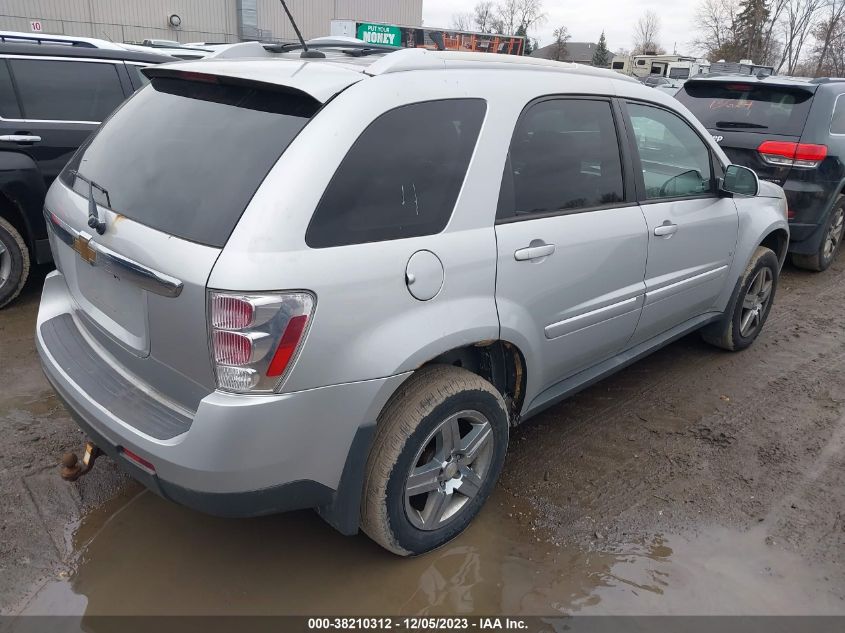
787,154
255,337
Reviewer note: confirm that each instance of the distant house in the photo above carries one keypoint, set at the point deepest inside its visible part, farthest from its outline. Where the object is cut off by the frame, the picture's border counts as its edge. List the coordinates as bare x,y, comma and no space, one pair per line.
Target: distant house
578,52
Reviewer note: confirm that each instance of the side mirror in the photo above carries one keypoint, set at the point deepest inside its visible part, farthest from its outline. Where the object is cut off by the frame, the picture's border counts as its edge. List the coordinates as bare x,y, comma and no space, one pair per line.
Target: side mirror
740,181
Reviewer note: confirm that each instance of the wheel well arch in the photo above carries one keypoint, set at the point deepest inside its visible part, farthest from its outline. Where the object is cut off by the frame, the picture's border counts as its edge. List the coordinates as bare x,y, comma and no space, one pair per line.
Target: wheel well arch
777,241
499,362
12,213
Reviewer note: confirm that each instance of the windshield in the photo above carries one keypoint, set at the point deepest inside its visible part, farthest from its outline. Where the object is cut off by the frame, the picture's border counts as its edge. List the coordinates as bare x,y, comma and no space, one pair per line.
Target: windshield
747,106
186,157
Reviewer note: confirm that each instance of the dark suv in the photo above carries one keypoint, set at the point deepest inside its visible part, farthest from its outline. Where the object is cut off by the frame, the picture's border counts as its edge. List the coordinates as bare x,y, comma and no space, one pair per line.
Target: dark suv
790,131
51,98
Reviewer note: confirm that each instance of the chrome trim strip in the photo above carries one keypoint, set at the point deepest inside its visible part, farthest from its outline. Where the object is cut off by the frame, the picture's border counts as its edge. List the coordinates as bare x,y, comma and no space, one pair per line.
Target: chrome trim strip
143,276
593,317
653,296
50,121
61,229
122,267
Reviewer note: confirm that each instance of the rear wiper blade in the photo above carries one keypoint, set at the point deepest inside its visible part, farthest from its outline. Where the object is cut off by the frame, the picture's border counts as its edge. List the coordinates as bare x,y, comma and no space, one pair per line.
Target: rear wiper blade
94,220
740,124
361,52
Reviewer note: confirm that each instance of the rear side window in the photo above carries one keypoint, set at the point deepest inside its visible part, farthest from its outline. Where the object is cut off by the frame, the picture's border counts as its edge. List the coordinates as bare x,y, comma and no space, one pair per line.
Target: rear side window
564,156
402,176
138,79
749,107
186,157
837,123
8,102
67,90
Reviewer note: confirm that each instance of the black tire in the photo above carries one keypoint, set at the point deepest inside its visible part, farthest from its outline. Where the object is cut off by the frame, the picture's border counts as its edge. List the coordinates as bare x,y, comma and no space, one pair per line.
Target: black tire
14,256
727,332
834,230
424,403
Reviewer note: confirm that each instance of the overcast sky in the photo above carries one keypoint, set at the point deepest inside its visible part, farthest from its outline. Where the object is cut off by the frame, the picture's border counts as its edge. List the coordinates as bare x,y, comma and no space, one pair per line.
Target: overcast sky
586,20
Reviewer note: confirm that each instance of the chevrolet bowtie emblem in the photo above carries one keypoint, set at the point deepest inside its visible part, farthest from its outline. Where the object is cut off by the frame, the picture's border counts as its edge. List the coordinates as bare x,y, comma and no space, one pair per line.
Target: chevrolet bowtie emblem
82,245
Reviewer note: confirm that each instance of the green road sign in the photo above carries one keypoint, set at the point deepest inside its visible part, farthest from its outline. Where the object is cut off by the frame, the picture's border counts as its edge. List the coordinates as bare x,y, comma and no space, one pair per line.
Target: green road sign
380,34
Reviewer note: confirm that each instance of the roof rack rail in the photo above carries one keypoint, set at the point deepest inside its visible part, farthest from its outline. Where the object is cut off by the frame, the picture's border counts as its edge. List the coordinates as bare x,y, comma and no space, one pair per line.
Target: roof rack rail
405,59
826,80
46,39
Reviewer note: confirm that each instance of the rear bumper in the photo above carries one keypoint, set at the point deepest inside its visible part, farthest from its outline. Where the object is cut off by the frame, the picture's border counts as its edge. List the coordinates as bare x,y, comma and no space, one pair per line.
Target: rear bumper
239,455
810,202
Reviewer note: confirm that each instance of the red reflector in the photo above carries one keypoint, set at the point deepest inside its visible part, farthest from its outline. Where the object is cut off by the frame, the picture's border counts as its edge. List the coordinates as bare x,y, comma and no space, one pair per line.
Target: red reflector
138,459
194,76
797,151
287,346
790,214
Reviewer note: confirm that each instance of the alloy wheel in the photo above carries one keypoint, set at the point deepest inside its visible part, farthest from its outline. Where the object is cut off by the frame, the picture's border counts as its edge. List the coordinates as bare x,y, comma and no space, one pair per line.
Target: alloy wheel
834,233
756,301
449,470
5,264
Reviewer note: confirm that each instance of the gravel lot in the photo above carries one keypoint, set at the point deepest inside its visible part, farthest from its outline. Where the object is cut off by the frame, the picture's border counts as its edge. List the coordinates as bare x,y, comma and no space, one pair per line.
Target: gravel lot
695,481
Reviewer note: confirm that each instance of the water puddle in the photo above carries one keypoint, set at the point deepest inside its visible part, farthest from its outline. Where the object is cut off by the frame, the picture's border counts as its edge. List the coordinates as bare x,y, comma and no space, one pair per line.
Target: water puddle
142,555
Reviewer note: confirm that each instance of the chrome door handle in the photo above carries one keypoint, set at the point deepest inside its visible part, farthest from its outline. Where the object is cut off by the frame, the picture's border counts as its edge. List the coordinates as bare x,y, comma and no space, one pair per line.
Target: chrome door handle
20,138
665,230
534,252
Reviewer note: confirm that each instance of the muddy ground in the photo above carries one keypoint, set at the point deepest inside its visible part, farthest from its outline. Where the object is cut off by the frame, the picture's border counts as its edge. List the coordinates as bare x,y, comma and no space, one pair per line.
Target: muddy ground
695,481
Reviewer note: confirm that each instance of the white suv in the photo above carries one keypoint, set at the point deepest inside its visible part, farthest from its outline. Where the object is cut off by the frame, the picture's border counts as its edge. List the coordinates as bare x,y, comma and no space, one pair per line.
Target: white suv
337,282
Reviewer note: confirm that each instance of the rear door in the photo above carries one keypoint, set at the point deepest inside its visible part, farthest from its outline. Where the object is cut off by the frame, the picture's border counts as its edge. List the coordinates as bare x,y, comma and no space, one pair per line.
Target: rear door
741,115
692,230
61,101
571,239
169,175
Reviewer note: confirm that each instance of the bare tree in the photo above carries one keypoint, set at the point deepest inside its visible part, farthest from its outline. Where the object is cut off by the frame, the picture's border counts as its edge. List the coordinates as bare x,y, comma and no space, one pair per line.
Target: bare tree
716,28
770,43
484,16
646,33
462,21
513,15
799,19
559,38
826,31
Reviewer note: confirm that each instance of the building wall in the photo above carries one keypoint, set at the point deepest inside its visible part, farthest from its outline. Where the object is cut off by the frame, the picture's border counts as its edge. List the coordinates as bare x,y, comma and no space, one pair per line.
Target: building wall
202,20
314,17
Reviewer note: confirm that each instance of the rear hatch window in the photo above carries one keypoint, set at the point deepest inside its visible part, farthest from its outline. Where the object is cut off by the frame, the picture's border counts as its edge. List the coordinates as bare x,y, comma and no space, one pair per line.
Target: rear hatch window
185,155
749,107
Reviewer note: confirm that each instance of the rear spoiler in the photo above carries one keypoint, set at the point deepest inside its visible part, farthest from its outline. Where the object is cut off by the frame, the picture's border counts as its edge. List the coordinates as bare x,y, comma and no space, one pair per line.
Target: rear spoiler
153,72
320,82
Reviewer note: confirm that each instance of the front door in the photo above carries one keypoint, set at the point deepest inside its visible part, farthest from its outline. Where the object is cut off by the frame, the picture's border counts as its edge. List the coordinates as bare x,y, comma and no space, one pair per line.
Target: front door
571,241
692,230
60,102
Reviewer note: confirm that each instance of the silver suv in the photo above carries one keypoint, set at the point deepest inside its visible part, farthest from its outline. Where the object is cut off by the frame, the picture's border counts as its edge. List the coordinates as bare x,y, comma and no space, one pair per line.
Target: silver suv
337,282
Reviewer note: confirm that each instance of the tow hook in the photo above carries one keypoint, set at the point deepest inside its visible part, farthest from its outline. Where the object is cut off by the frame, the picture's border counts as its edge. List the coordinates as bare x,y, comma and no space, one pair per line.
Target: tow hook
72,469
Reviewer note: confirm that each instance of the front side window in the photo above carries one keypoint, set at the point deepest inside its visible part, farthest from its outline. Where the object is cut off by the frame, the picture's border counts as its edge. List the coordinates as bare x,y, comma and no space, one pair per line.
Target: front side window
402,177
675,161
564,156
54,90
